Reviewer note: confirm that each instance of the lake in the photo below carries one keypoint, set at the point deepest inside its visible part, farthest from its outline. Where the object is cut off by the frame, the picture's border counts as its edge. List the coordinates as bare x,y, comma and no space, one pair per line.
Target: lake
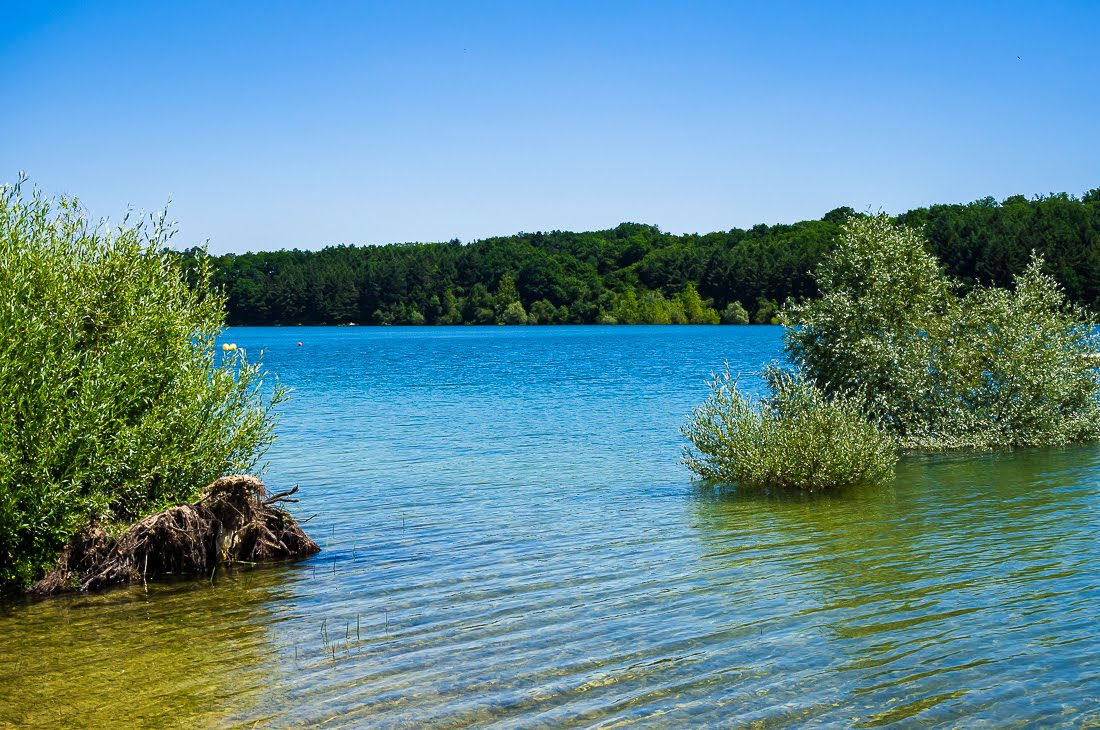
509,541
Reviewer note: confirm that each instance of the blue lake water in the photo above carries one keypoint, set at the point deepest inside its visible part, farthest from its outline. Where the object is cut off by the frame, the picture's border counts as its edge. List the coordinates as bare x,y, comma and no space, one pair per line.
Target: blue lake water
510,542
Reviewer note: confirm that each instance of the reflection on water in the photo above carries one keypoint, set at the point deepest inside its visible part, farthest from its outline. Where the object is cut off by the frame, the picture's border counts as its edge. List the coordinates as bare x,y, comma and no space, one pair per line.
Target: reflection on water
509,542
942,598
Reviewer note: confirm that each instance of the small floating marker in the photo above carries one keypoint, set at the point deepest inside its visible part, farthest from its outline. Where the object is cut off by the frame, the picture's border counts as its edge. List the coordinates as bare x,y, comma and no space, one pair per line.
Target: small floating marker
228,347
299,344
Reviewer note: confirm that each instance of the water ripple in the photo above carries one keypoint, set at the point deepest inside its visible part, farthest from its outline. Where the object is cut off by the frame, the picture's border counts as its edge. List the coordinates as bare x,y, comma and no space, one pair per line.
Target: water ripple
510,543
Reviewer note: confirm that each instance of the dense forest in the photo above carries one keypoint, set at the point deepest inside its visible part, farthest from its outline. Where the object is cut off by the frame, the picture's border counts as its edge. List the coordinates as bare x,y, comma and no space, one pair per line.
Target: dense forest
635,273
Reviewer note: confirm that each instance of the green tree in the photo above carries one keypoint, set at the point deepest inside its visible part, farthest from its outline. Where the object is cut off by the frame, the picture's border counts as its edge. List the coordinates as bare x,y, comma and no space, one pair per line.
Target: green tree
452,313
626,307
506,296
542,312
478,307
734,313
514,314
506,290
695,309
767,312
653,308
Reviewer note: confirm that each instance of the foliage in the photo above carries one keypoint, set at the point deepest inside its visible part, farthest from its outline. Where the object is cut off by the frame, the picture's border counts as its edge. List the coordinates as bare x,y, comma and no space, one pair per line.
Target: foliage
895,352
988,243
797,437
767,312
991,368
116,402
514,314
734,313
634,272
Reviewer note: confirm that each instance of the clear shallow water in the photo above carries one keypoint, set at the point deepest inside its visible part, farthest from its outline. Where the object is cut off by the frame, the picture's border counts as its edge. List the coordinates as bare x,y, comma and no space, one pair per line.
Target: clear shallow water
510,542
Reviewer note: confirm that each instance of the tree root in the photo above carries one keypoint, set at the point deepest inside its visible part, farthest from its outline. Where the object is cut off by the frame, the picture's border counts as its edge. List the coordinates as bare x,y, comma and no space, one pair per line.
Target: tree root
233,521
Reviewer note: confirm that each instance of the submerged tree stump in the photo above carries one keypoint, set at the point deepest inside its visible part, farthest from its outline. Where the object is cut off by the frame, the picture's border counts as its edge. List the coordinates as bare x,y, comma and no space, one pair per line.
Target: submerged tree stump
234,520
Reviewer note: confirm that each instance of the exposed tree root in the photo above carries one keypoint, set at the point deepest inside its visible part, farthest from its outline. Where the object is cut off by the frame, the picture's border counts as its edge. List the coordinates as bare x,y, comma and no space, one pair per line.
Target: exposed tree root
233,521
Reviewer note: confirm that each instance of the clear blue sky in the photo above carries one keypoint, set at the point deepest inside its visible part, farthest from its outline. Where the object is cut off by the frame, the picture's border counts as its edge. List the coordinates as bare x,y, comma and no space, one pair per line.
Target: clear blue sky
275,125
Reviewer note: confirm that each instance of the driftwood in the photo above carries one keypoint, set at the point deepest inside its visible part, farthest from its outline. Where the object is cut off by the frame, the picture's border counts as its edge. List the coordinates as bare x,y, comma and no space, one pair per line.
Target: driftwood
233,521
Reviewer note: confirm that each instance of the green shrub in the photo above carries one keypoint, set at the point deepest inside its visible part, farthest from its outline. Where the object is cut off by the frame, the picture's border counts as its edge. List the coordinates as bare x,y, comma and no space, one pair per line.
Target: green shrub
797,437
115,401
993,368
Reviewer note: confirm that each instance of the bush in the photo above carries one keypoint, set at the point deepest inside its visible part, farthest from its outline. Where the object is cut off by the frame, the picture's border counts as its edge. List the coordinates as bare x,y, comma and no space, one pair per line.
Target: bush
116,402
993,368
798,437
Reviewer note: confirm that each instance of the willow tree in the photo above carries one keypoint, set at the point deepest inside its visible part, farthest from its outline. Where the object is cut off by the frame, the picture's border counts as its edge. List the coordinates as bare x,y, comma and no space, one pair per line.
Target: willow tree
894,346
991,367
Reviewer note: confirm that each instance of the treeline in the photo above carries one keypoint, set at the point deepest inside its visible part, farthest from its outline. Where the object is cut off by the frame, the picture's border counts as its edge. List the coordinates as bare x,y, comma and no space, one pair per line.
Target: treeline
636,273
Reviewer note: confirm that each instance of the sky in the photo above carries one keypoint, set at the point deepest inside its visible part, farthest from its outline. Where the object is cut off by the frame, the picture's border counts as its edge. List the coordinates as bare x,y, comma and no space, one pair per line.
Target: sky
301,125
